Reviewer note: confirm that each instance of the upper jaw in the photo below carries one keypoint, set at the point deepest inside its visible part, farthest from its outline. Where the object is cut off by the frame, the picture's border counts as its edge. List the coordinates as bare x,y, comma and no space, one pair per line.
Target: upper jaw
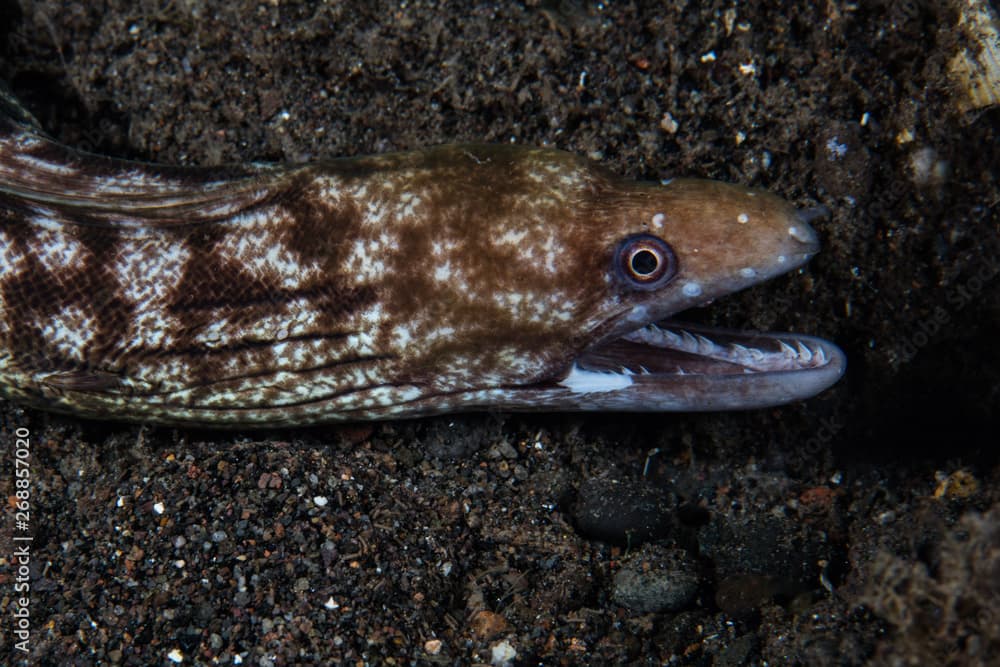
678,348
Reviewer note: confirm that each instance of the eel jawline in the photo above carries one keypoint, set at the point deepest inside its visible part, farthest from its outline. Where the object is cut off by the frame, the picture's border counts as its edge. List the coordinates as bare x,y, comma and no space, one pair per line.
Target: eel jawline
675,366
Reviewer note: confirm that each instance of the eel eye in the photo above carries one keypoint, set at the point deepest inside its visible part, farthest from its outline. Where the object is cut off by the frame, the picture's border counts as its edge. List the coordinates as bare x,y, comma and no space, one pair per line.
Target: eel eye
645,262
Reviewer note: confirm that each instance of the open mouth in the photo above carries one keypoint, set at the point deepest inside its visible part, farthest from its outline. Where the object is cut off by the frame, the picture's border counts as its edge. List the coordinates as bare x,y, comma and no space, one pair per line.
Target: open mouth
679,366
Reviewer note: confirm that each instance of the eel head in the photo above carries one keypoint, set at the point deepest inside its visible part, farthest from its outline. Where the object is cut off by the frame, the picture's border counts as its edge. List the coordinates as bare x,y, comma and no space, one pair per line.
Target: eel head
577,317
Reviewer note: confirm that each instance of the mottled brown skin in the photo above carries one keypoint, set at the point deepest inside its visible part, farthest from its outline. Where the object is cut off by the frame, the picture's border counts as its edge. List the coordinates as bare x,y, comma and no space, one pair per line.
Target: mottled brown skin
456,278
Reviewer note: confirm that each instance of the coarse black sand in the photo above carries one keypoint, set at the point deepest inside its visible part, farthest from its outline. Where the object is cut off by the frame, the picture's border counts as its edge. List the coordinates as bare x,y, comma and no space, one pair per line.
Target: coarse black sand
860,527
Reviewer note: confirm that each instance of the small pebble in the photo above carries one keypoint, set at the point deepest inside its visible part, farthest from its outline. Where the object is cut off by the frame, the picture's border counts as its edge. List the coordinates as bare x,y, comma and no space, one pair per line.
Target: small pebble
487,625
655,579
502,654
627,512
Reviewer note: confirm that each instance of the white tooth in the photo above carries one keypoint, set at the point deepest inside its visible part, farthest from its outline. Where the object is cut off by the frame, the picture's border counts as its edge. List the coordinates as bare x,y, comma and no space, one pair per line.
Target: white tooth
789,351
821,357
805,354
645,371
704,344
748,353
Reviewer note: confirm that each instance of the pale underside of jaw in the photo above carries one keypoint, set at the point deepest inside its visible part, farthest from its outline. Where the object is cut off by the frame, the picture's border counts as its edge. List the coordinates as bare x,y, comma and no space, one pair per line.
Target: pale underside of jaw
675,366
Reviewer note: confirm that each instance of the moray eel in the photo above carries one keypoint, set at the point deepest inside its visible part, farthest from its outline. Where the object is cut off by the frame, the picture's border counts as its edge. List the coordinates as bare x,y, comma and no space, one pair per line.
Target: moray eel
462,277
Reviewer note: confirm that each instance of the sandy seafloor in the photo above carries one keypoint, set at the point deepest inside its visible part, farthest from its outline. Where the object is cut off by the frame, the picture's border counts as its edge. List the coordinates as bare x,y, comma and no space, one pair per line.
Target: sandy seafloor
860,527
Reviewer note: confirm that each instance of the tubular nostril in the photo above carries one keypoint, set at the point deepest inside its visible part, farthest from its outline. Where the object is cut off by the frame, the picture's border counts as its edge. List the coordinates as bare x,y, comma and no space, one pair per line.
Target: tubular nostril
803,233
800,230
807,215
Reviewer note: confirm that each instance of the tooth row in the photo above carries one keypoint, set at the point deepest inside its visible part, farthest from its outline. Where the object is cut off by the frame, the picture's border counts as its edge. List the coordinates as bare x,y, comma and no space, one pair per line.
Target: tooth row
789,355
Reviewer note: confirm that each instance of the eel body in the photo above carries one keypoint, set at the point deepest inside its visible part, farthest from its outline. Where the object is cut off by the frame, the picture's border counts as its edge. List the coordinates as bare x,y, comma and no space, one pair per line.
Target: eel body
462,277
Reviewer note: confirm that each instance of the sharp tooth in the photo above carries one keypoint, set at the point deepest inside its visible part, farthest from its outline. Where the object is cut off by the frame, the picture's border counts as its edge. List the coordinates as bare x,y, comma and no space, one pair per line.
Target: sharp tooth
805,354
748,353
704,344
789,351
821,359
645,371
738,350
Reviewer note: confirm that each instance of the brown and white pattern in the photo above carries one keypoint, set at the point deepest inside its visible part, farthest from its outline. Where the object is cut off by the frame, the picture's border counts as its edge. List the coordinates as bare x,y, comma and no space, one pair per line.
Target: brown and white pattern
456,278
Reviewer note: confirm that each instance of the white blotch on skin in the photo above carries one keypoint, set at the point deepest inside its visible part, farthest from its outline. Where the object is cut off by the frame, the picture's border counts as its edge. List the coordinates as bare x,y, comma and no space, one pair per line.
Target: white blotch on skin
57,250
130,180
748,272
691,289
30,161
407,394
434,335
374,214
329,188
372,317
11,260
512,237
259,231
403,336
443,272
148,272
360,343
70,331
408,206
517,365
552,247
365,261
658,220
638,314
743,218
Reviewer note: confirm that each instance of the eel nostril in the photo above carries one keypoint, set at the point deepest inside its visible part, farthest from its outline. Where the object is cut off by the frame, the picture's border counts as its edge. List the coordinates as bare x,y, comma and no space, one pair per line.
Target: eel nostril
807,215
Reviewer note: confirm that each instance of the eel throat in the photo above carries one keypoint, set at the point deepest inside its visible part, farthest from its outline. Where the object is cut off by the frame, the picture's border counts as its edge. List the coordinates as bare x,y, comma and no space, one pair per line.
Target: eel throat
461,277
